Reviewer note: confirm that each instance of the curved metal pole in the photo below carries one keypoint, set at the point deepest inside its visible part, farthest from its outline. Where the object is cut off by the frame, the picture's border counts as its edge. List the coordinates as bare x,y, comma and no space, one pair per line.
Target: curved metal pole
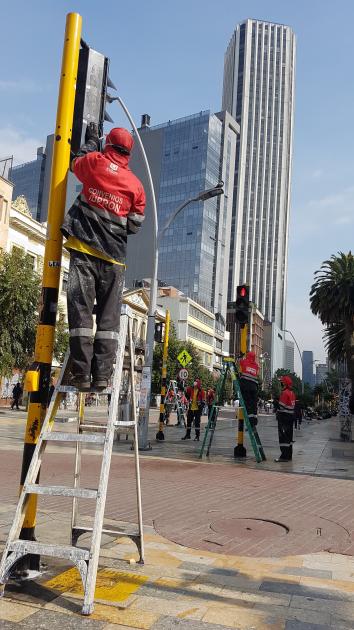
144,418
172,218
300,355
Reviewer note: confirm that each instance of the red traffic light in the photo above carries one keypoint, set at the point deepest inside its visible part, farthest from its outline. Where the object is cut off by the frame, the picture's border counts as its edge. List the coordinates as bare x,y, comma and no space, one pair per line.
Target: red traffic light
243,291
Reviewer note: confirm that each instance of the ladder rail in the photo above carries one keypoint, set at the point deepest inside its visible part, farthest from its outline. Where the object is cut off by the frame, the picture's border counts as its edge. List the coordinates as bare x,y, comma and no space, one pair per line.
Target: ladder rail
104,473
32,474
77,469
136,445
257,447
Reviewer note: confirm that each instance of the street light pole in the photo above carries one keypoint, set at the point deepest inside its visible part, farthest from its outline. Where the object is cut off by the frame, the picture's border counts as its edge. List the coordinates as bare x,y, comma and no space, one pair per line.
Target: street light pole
144,420
300,355
150,332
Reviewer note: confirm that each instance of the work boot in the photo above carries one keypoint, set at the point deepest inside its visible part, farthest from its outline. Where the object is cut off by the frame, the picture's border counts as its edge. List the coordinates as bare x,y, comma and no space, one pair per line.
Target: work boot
197,434
188,435
81,382
99,384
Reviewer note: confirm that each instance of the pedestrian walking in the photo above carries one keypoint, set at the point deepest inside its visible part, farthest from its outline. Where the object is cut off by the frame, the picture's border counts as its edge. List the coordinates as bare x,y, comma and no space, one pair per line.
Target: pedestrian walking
109,209
249,370
16,395
196,398
285,418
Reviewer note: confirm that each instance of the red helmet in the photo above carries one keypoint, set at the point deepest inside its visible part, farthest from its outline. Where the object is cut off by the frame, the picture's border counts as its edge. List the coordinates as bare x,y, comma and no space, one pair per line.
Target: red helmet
120,139
287,381
251,356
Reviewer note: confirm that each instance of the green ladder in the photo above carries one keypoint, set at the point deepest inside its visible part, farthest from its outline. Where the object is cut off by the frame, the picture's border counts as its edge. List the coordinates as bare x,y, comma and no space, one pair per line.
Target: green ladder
230,368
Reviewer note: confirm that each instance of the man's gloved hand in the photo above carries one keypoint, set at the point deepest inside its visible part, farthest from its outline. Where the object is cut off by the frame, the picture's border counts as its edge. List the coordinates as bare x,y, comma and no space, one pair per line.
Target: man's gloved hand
91,132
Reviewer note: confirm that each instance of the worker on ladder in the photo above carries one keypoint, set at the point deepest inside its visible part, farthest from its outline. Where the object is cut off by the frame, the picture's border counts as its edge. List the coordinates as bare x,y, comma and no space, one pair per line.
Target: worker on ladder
249,370
109,208
285,418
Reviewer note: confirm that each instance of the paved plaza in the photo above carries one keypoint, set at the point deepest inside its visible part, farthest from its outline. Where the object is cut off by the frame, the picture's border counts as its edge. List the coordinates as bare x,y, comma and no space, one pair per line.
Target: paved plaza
228,544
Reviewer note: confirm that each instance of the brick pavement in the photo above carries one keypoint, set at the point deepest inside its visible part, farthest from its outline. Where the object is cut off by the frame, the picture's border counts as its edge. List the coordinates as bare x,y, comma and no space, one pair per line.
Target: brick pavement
228,546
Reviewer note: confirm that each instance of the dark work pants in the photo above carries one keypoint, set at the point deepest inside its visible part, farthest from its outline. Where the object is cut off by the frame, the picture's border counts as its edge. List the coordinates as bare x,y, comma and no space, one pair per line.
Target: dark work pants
194,416
285,432
249,391
91,279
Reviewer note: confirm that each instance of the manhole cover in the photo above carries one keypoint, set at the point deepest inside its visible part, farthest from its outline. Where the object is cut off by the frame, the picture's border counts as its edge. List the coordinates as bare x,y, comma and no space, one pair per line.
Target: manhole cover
249,528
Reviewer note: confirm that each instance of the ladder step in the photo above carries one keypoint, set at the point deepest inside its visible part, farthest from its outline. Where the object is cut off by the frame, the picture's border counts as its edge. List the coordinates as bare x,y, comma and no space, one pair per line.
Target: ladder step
59,436
111,532
97,427
124,424
63,491
65,389
56,551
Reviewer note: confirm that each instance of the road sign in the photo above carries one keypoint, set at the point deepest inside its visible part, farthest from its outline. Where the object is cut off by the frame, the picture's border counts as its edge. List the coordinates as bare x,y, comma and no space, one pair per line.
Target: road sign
183,374
184,358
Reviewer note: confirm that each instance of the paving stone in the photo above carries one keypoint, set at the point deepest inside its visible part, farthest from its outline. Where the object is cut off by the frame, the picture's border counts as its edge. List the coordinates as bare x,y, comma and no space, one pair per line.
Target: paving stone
12,611
47,619
196,566
169,623
307,572
304,591
293,624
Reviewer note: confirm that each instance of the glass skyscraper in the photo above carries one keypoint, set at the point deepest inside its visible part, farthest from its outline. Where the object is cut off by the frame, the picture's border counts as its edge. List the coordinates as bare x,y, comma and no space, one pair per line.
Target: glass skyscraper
28,180
258,91
187,156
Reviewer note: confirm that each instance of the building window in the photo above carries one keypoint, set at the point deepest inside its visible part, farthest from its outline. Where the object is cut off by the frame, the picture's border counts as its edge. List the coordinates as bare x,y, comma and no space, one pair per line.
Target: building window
33,260
64,286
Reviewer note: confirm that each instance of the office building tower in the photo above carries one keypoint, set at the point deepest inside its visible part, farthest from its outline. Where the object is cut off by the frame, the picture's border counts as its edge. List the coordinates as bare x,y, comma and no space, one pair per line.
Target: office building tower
289,363
307,368
258,91
187,156
28,180
321,373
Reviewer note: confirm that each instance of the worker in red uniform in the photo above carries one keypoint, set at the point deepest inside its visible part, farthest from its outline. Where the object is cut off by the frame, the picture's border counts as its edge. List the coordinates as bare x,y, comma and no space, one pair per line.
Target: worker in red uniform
285,418
249,370
196,400
109,208
210,397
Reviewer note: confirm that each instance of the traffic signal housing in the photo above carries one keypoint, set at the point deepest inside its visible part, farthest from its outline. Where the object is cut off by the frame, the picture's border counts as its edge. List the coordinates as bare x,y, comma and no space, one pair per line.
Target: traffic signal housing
242,304
91,94
158,336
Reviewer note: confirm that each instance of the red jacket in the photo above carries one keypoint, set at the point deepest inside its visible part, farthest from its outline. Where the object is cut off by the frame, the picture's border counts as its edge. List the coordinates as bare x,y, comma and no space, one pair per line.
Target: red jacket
249,368
200,394
110,206
287,401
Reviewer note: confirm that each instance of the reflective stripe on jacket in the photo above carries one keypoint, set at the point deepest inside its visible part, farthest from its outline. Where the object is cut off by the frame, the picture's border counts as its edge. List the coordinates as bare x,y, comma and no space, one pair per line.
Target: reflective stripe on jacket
110,206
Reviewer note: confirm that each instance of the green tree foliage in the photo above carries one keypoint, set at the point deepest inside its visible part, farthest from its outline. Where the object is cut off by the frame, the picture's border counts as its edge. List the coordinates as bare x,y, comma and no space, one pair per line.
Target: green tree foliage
19,297
195,368
61,340
276,386
332,299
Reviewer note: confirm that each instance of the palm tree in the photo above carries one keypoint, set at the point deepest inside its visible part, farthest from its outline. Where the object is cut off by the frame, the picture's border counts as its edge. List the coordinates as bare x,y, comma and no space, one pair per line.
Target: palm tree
332,299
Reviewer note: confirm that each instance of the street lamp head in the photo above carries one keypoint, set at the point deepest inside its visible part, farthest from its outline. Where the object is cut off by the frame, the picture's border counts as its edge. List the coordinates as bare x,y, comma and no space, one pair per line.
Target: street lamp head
211,192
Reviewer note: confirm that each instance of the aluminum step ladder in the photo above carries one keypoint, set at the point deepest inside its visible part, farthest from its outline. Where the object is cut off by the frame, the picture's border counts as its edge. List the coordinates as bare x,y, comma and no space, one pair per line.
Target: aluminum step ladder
172,387
229,368
102,434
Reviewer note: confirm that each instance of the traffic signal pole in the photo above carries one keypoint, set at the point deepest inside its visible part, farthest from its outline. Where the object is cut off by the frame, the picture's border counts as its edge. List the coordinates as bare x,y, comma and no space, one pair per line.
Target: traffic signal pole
160,436
240,450
38,379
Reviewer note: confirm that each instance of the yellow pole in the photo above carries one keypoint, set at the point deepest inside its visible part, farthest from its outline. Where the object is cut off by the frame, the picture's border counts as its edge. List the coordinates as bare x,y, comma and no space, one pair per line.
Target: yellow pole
160,434
52,261
243,339
239,450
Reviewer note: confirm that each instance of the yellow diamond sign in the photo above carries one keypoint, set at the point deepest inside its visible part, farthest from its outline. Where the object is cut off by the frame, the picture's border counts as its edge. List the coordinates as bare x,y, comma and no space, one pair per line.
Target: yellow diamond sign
184,358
